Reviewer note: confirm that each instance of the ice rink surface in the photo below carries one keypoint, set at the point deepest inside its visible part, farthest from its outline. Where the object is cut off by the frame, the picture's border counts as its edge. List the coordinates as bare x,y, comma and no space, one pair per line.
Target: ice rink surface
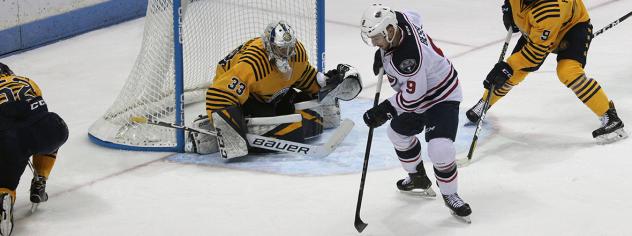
539,173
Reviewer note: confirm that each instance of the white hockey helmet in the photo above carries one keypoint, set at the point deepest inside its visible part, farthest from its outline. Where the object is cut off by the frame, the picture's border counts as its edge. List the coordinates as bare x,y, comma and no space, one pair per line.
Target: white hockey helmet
375,20
280,42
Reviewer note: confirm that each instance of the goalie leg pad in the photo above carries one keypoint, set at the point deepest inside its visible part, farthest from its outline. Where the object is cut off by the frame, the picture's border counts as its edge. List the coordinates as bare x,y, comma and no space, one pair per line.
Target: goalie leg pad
330,112
231,136
285,127
331,115
198,142
312,118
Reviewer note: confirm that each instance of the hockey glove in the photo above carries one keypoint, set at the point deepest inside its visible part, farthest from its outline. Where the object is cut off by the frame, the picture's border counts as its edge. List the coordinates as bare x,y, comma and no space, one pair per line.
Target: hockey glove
498,75
333,76
377,62
508,18
377,116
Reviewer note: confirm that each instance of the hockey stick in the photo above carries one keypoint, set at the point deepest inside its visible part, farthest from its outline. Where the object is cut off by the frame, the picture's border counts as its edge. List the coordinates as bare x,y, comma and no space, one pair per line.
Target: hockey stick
479,123
358,223
613,24
502,55
270,143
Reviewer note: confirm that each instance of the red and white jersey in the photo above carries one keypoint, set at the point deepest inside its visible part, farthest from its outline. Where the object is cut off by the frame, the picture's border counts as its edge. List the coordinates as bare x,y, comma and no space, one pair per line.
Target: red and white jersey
418,70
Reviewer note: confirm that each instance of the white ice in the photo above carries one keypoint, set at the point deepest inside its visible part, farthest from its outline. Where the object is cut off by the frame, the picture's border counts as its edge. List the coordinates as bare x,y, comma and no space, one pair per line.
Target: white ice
541,173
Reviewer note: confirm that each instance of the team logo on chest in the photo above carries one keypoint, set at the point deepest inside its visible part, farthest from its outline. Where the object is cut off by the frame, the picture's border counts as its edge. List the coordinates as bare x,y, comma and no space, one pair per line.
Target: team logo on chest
408,66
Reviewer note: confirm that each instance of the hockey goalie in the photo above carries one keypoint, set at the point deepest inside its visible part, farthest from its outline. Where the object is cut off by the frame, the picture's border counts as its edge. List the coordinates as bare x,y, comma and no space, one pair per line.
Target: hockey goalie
267,87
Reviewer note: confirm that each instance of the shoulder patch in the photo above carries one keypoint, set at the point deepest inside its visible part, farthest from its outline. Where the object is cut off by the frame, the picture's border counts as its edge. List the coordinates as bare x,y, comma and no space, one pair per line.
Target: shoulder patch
408,66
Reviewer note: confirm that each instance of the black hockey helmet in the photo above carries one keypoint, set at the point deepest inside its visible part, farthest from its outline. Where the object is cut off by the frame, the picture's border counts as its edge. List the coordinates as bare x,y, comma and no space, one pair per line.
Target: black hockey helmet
4,69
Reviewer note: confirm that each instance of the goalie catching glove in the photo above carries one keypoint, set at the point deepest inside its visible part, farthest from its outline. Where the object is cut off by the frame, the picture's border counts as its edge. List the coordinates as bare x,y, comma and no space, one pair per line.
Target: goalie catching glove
341,83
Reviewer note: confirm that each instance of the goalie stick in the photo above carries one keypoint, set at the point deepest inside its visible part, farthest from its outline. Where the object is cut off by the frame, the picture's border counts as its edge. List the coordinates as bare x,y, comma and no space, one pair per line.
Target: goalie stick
270,143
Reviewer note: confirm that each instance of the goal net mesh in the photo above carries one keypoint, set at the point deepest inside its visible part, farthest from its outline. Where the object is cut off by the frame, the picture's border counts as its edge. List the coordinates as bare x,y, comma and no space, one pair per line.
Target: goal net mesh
210,29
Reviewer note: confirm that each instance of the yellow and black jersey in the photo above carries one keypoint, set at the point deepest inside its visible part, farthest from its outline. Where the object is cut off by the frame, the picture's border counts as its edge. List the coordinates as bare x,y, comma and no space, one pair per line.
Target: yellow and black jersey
544,23
16,88
247,71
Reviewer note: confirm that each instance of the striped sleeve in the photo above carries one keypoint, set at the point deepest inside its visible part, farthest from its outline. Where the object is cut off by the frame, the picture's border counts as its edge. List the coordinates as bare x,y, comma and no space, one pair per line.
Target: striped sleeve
229,89
546,23
306,80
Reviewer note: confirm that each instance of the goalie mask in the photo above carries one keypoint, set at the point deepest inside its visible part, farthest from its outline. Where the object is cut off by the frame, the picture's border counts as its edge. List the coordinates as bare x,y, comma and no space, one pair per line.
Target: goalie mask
4,70
280,41
375,21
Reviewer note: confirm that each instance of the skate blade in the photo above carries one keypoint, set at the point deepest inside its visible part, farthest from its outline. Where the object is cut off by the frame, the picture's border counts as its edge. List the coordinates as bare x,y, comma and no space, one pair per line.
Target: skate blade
34,207
429,193
615,136
465,219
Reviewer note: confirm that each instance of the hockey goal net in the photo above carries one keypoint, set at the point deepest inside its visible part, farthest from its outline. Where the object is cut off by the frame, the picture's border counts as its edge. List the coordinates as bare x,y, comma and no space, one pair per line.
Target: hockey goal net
168,74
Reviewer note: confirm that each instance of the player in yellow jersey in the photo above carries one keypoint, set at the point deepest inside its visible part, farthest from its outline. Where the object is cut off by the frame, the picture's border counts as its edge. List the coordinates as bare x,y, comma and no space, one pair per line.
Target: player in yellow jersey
265,77
561,27
27,129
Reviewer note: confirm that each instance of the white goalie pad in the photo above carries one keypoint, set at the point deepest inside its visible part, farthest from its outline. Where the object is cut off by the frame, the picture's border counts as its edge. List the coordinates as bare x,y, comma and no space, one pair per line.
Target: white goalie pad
201,143
231,144
331,115
329,111
261,125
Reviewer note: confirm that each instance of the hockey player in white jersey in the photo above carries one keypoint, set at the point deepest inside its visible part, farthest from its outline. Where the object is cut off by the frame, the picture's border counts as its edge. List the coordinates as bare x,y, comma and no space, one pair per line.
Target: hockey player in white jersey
428,96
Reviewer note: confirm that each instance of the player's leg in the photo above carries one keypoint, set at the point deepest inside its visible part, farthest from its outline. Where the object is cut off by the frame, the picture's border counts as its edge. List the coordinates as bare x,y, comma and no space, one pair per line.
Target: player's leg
42,164
401,132
474,113
13,160
441,128
572,54
48,135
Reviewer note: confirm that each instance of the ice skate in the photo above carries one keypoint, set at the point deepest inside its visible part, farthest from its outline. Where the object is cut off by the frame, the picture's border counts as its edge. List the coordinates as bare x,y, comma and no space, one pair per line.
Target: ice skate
458,208
611,129
474,113
6,214
38,192
417,183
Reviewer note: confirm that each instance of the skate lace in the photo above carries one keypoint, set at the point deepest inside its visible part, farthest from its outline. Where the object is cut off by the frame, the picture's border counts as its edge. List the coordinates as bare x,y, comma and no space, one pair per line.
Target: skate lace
38,184
407,180
478,109
454,200
604,120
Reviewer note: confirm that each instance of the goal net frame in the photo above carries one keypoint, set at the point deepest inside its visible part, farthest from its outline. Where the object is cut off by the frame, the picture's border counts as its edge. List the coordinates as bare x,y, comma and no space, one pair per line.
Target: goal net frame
178,60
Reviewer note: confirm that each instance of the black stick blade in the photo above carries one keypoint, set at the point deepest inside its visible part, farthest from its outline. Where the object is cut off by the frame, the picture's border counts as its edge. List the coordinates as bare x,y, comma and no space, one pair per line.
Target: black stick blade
359,225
